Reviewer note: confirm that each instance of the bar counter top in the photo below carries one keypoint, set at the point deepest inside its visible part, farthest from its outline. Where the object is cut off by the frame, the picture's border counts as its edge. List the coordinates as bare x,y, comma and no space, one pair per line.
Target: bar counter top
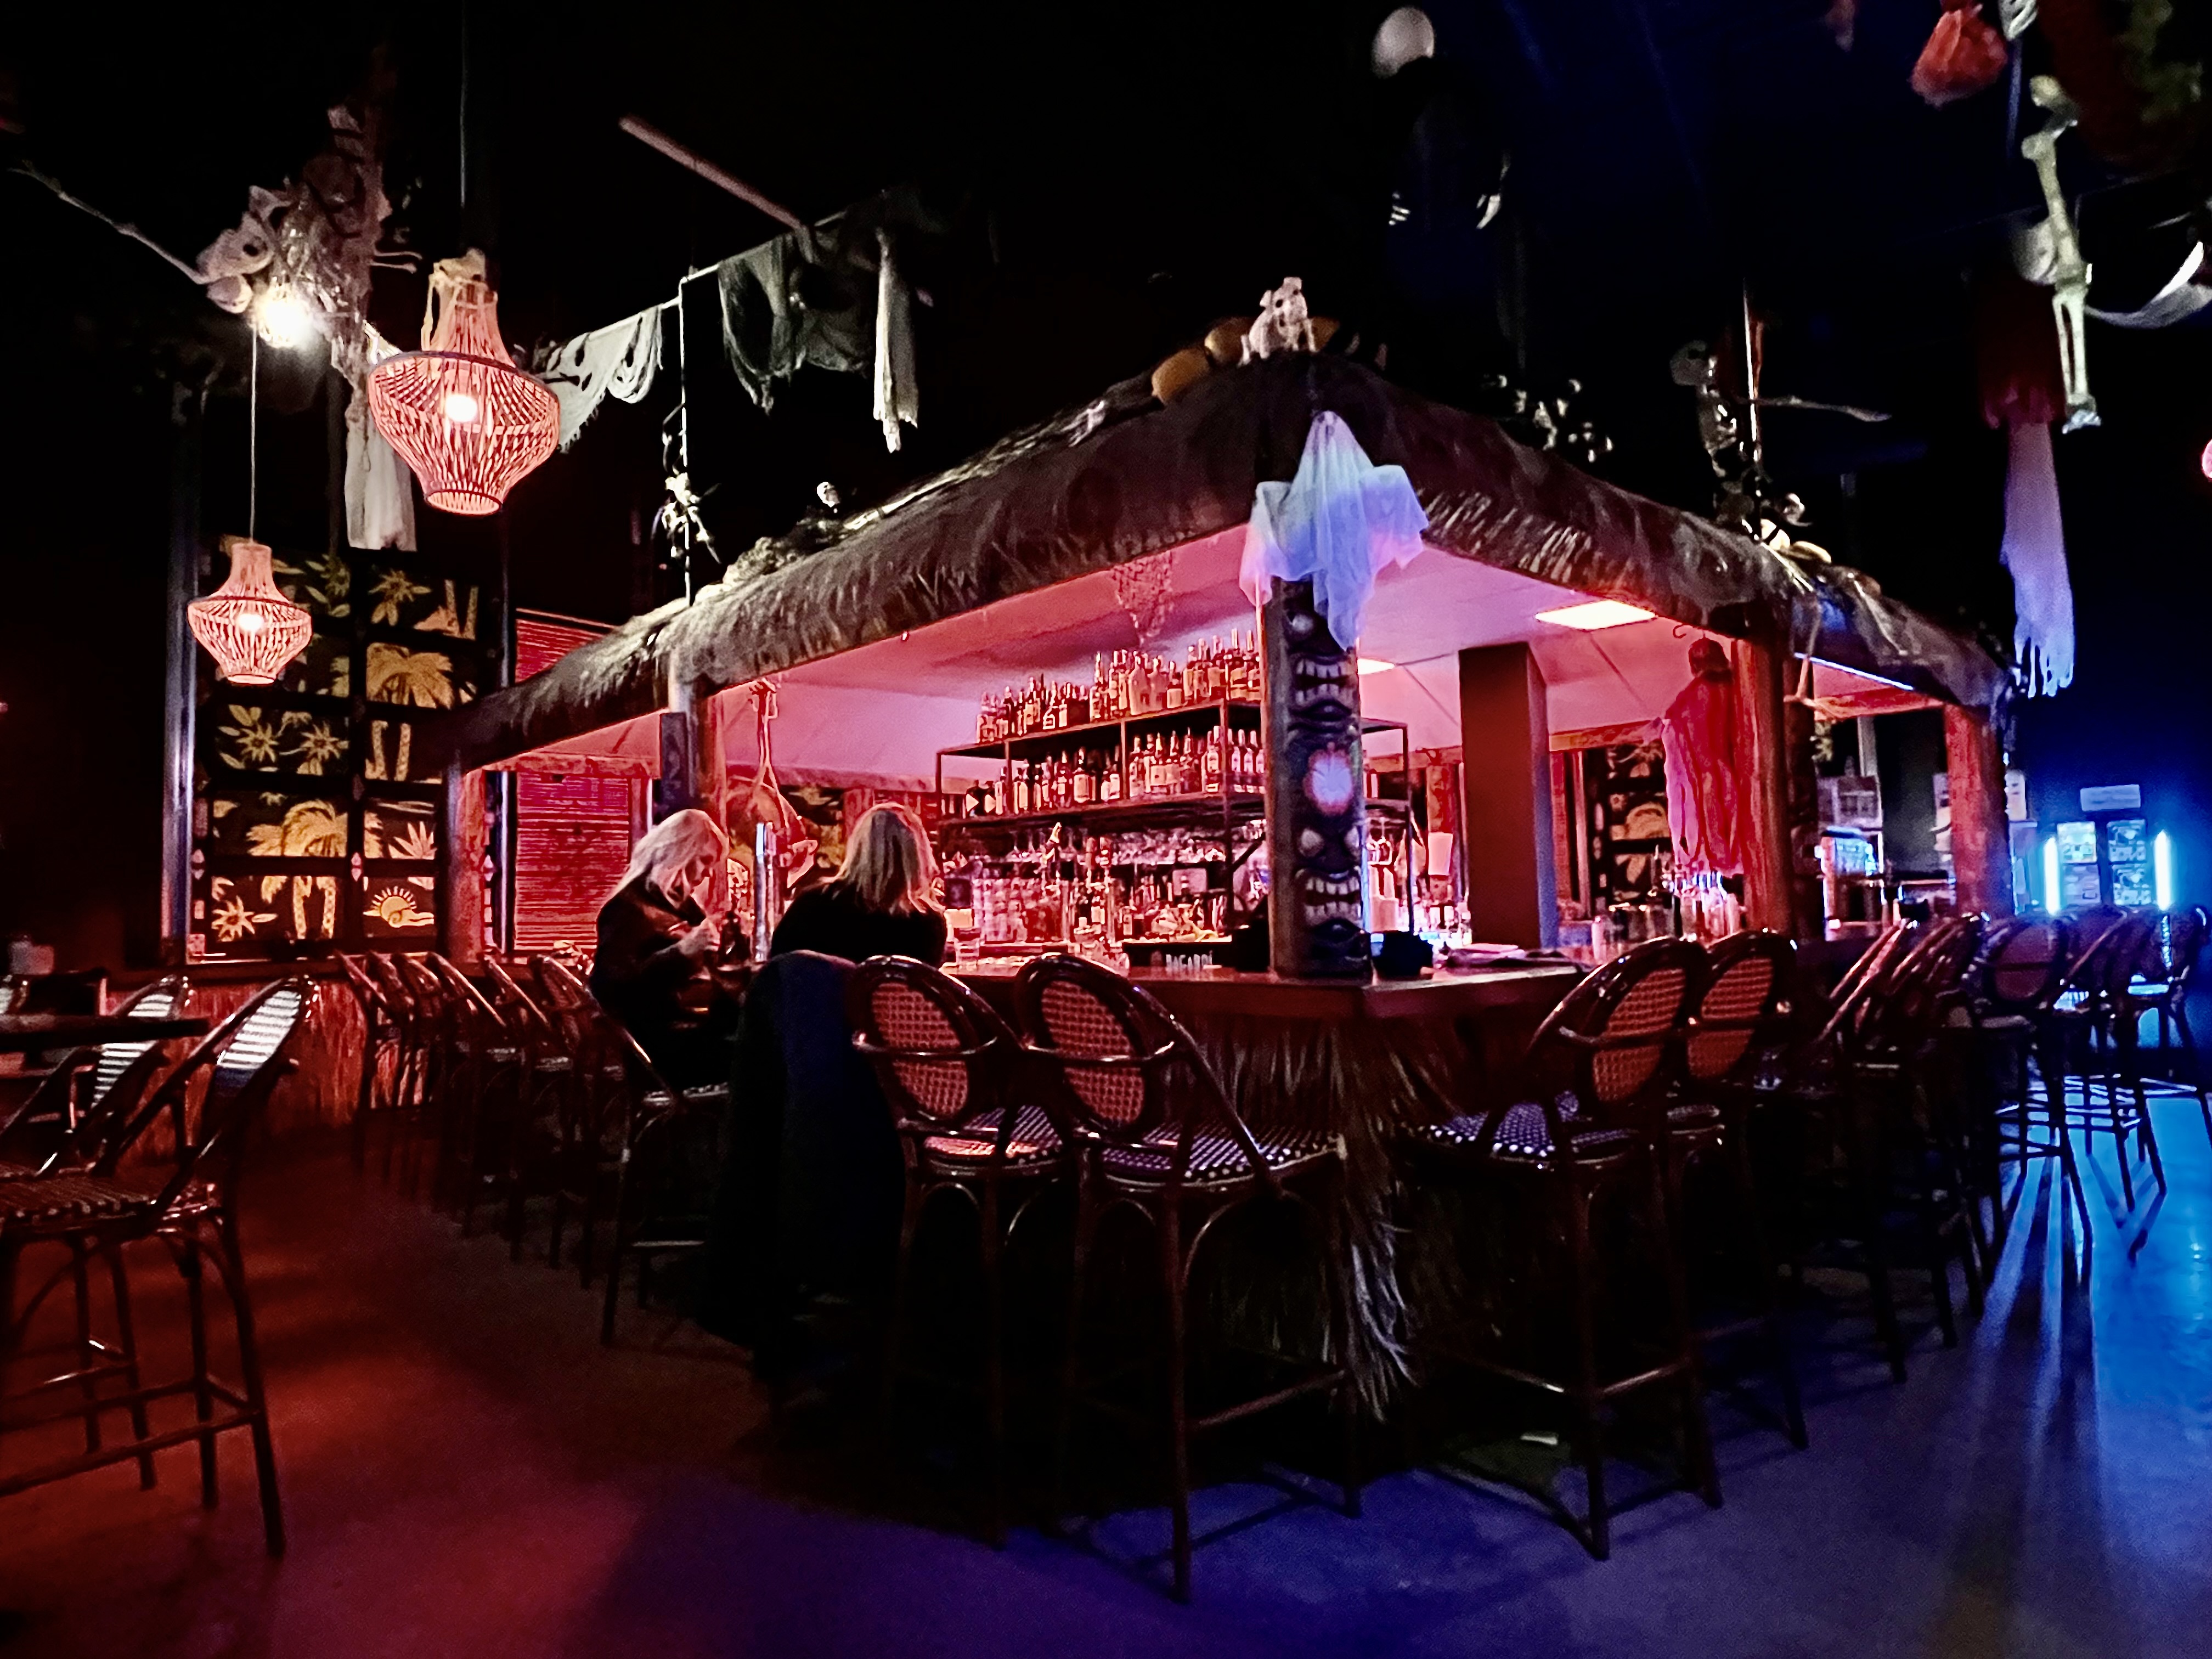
1443,994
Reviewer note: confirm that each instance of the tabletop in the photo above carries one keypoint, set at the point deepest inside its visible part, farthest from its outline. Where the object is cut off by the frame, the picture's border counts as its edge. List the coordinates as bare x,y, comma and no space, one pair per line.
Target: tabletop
29,1033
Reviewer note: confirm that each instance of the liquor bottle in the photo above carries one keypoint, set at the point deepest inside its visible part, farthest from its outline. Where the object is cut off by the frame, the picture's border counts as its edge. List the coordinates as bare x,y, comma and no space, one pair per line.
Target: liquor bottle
1211,780
1109,782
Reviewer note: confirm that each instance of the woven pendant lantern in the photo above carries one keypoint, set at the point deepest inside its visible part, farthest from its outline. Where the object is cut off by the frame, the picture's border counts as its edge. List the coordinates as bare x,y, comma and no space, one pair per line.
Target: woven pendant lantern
469,423
247,625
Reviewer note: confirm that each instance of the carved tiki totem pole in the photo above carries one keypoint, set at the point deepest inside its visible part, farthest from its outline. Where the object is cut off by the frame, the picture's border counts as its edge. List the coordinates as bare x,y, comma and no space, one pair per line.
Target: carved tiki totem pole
1316,793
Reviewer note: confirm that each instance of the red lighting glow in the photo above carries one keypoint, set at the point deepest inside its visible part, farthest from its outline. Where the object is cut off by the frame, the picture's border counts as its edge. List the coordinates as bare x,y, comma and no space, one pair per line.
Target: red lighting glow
469,423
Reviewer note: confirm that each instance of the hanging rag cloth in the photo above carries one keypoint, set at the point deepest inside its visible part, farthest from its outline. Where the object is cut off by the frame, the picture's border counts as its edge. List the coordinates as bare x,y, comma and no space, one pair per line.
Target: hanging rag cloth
380,490
897,397
788,304
1965,55
1340,521
2023,390
1699,733
619,361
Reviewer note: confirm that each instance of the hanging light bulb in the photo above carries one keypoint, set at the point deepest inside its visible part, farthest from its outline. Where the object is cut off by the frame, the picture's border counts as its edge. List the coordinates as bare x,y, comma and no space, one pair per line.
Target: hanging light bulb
283,318
459,412
247,625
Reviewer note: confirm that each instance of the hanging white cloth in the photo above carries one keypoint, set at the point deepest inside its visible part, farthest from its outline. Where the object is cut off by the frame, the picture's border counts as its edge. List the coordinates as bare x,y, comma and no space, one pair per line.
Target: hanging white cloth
380,490
2034,551
1340,521
897,396
619,361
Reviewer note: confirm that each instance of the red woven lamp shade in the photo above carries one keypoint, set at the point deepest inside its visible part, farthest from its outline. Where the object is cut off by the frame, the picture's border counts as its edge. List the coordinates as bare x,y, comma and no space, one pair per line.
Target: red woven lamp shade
469,423
247,625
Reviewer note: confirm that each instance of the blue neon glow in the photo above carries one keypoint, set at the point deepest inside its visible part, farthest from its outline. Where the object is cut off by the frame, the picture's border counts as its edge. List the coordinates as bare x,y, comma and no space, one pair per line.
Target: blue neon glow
2161,869
2050,875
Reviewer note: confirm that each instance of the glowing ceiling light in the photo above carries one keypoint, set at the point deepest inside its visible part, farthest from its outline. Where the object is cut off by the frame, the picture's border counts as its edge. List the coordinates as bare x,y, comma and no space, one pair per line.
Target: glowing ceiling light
2161,869
283,318
247,625
1375,666
459,412
2205,461
1595,615
2050,875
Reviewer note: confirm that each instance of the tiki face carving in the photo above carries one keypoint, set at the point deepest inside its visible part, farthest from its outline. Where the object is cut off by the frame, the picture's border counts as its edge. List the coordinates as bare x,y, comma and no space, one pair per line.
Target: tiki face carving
1317,806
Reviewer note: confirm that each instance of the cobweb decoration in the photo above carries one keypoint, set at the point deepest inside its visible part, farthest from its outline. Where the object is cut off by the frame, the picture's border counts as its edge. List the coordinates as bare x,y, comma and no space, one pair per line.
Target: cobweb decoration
1145,588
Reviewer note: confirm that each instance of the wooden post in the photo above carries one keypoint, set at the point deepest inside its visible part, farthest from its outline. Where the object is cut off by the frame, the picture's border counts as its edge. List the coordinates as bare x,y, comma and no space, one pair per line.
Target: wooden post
1317,794
460,869
1505,743
1981,836
1764,757
180,697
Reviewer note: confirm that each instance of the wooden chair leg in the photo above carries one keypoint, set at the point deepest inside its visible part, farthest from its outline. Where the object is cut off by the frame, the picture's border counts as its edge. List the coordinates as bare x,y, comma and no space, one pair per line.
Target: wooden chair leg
127,1343
1701,1473
88,1351
250,1380
1584,1396
617,1243
917,1197
1070,1371
203,1398
1171,1248
1765,1305
994,1352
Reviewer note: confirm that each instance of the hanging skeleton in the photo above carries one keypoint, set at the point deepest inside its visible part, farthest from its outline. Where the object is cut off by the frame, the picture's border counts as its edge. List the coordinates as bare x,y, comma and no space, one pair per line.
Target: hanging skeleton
2050,253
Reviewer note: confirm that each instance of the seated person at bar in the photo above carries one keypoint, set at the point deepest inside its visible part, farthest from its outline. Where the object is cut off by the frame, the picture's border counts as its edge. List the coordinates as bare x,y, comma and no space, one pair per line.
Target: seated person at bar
652,971
880,904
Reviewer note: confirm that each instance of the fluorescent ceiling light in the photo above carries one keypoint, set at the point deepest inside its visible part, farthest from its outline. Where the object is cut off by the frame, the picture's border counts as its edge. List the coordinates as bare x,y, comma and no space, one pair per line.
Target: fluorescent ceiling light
1375,666
1597,614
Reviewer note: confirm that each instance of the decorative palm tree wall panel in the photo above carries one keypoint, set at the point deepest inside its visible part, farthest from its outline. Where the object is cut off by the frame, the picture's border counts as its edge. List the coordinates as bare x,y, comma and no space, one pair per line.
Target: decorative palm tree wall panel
311,826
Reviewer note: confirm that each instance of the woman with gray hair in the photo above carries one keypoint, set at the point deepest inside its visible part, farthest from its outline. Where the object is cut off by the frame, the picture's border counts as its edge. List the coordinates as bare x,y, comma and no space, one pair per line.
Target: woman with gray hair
651,971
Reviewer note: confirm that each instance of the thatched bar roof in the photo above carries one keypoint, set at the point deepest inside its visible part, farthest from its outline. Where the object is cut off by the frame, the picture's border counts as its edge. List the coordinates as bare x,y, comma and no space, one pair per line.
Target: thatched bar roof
1125,478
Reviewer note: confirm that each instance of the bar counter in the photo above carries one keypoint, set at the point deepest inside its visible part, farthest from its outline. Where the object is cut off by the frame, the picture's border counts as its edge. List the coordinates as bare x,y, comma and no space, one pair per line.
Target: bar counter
1363,1061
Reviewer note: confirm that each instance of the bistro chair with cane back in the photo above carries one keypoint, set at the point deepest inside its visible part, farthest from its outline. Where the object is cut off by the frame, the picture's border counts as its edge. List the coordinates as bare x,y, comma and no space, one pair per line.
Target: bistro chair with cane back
1596,1127
952,1074
1888,1131
1154,1133
1741,1027
2023,975
67,1119
193,1211
381,1053
2104,1023
429,1048
546,1078
644,1222
2181,935
484,1088
589,1157
55,1132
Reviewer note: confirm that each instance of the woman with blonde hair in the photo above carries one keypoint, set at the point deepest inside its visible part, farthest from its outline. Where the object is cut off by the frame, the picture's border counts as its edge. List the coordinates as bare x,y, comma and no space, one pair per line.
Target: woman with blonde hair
881,904
651,971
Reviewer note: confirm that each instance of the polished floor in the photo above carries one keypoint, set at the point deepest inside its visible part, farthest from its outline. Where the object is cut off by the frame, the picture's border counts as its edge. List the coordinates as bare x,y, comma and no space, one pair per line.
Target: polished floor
467,1473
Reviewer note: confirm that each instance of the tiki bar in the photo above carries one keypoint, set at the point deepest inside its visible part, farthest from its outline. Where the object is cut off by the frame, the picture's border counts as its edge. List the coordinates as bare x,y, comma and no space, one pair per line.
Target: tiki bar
1288,969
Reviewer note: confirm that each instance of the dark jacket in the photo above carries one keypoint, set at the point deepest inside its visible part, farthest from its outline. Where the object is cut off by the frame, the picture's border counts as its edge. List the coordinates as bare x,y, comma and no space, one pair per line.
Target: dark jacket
670,1003
832,919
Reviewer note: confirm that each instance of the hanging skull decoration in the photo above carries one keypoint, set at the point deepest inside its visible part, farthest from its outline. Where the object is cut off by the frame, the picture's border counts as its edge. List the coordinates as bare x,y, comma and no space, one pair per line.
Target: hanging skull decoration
1316,793
1283,324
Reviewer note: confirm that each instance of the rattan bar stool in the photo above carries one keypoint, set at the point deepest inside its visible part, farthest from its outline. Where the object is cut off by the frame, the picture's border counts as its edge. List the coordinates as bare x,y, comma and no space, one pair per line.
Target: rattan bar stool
1154,1133
952,1073
1742,1026
1595,1128
193,1211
